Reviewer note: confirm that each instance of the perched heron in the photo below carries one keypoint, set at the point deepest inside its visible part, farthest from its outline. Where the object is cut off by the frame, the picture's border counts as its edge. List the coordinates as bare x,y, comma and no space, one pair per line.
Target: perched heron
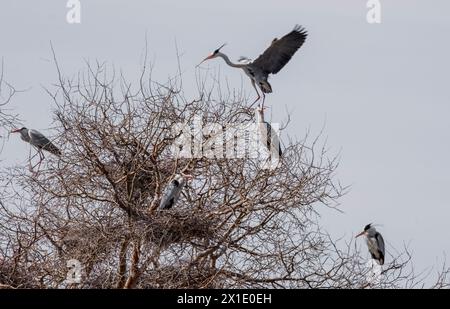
271,61
39,141
267,133
173,191
375,243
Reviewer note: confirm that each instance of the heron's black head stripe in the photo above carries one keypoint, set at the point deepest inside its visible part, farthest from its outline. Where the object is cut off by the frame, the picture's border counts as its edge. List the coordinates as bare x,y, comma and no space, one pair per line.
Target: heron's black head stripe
218,50
368,226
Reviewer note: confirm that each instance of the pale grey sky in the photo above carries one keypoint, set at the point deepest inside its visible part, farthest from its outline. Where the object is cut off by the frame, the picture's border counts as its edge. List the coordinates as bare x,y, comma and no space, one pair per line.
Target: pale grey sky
382,90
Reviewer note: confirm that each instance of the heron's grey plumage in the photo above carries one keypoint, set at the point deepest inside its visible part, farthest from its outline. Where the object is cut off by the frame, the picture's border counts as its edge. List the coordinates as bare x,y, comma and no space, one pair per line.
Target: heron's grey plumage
271,61
375,243
380,242
172,192
38,140
275,58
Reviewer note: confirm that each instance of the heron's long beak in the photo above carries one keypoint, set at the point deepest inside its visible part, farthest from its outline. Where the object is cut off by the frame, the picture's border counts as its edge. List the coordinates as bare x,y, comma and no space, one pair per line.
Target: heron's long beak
213,55
207,58
15,131
360,234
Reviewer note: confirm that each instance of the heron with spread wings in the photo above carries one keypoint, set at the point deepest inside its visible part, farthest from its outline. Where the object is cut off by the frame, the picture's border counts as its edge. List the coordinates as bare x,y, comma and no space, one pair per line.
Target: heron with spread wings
271,61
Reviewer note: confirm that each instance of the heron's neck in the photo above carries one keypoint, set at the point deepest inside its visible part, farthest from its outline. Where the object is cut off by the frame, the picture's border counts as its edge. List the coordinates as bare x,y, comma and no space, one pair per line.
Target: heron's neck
24,135
231,64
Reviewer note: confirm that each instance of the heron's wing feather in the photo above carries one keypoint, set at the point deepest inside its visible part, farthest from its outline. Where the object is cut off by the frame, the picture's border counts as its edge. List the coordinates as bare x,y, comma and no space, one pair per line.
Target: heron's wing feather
39,140
380,243
281,51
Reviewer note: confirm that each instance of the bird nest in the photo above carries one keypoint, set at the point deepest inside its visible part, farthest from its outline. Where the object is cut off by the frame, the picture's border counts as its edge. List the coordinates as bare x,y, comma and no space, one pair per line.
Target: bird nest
88,242
177,225
15,276
161,228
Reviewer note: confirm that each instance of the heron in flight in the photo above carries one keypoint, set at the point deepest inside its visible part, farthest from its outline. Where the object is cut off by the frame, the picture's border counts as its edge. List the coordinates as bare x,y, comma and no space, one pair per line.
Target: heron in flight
267,133
39,141
173,191
271,61
375,243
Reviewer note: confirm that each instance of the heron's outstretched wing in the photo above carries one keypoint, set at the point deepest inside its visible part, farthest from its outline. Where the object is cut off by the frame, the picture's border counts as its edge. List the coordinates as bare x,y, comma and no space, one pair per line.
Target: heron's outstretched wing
380,243
39,140
170,195
281,51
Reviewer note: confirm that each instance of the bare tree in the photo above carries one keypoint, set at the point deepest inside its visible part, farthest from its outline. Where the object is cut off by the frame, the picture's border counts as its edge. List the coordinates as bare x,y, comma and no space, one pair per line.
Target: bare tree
7,118
237,224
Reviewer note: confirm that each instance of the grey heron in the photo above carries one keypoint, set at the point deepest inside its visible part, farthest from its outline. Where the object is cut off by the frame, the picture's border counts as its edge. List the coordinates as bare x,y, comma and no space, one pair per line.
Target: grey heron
274,58
267,133
375,243
39,141
173,191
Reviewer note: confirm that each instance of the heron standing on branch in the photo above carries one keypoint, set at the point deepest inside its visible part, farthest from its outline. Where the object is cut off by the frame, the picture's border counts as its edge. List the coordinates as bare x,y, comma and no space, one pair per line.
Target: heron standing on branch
173,191
271,61
268,135
39,141
375,243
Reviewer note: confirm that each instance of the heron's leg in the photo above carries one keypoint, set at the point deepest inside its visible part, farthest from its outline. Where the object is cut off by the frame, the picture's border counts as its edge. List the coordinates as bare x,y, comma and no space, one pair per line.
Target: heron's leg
33,166
39,165
41,158
256,89
264,99
36,165
32,157
29,160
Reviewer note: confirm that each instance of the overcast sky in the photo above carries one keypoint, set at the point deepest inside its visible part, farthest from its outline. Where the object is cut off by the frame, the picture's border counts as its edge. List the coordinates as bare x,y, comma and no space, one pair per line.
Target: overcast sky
382,90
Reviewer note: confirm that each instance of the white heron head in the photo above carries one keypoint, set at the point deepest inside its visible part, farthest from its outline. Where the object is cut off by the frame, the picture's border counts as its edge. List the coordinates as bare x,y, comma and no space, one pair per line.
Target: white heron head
213,55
